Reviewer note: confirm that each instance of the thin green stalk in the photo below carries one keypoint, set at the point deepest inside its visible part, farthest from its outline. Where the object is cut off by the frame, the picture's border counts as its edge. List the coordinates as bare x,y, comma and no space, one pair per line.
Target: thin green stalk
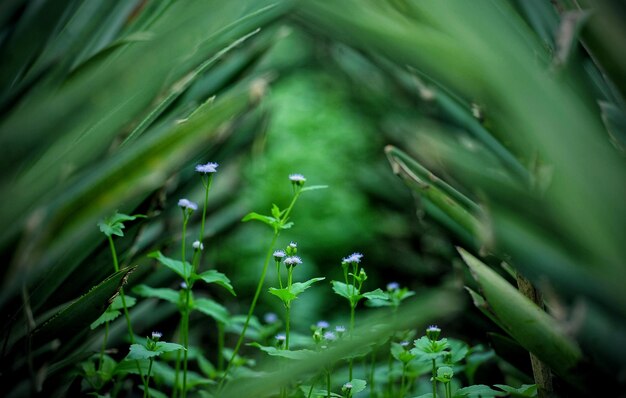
220,346
177,366
131,335
311,389
350,365
185,314
328,383
280,279
104,344
403,382
146,391
434,380
372,370
252,306
389,373
287,320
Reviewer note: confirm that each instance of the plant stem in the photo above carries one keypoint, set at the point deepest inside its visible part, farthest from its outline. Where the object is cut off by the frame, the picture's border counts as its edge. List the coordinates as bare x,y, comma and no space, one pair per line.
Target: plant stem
177,366
372,371
252,306
328,383
352,307
280,279
146,391
402,384
311,389
434,380
185,314
220,346
131,335
104,344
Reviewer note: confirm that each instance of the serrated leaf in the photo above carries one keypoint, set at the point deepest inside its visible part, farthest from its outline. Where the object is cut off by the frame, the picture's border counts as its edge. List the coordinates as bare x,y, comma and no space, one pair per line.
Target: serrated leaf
377,294
275,352
283,294
118,304
184,271
526,390
166,294
107,316
113,225
213,276
298,287
212,309
344,290
138,351
478,391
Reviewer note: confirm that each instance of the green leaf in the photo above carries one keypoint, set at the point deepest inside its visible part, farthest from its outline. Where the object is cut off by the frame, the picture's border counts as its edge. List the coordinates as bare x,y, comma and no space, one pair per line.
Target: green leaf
184,271
478,391
358,385
77,316
114,224
533,328
166,294
118,304
314,187
298,287
317,392
526,390
458,350
345,290
107,316
138,351
271,221
426,350
377,294
276,212
212,309
284,294
213,276
275,352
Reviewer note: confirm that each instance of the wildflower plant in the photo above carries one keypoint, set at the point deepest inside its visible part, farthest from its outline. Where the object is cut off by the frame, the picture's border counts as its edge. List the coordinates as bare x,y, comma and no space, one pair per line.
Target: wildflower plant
278,221
350,289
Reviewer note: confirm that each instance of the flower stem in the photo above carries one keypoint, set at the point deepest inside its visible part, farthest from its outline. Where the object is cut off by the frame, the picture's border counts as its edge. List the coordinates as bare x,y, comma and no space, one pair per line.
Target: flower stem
350,365
434,380
131,335
403,383
220,346
252,306
185,314
328,383
146,391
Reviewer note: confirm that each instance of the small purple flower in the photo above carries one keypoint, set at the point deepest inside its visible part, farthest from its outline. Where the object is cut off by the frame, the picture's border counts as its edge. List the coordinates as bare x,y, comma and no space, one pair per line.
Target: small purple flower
292,261
156,335
393,286
198,245
270,317
297,178
346,387
183,285
353,258
322,324
340,329
404,343
281,337
330,336
278,255
207,168
187,204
